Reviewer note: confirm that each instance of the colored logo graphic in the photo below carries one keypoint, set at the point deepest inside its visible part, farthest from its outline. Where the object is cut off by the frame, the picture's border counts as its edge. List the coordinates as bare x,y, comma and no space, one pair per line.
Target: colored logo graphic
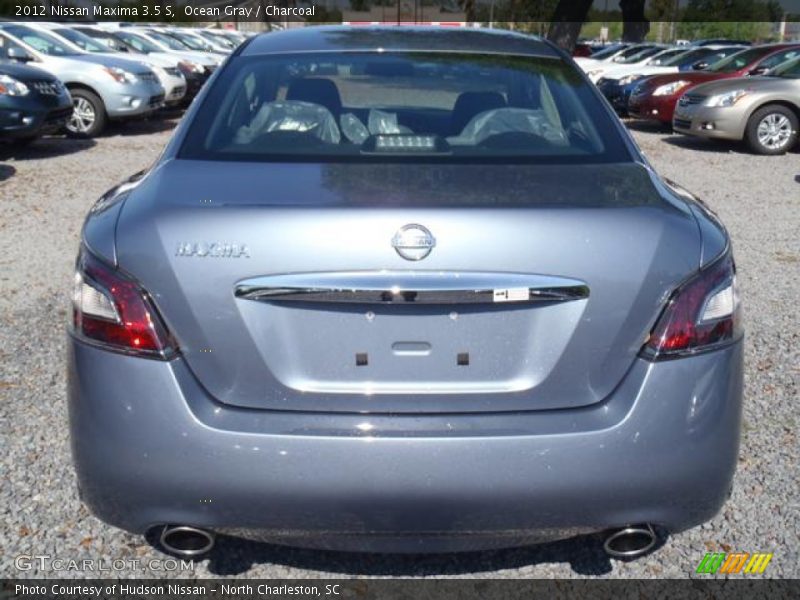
721,563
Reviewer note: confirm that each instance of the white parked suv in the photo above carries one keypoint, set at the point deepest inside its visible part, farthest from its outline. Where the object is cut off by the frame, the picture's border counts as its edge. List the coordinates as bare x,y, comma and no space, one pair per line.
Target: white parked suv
165,68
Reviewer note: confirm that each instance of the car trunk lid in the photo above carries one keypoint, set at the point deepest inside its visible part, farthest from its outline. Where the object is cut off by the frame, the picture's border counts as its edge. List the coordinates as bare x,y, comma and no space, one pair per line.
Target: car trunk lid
284,290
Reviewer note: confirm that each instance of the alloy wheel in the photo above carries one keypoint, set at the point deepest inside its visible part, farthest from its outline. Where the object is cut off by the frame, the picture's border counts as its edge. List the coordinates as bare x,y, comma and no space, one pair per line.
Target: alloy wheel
83,116
774,131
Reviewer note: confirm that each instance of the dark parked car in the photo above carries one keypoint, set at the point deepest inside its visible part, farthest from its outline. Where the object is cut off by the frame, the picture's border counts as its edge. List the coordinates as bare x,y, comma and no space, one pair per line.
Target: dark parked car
403,289
655,98
32,103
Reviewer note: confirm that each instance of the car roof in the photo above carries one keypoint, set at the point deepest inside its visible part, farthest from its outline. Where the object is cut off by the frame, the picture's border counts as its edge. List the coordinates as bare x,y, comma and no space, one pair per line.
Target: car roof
398,38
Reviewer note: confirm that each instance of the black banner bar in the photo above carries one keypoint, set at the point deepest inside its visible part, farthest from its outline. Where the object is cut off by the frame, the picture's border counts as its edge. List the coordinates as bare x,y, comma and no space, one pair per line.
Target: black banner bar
502,12
399,589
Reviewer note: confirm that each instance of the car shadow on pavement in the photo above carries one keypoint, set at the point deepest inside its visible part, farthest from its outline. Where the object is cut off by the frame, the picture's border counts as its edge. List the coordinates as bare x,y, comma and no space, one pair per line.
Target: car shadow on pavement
585,555
707,145
645,126
142,126
46,147
6,171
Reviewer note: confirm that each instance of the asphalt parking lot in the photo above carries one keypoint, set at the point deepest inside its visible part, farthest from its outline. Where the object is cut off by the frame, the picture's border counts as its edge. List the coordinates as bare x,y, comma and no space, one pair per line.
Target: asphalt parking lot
45,191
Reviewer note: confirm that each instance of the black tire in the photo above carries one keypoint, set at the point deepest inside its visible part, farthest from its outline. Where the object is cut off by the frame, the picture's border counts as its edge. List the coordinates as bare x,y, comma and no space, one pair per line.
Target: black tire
79,125
784,123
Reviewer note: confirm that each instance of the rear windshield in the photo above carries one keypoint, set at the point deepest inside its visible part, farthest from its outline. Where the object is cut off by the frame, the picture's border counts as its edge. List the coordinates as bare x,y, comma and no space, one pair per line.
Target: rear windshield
386,106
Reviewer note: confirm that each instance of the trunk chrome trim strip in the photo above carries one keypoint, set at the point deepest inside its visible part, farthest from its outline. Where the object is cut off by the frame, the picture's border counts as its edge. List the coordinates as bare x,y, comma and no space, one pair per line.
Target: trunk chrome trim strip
417,287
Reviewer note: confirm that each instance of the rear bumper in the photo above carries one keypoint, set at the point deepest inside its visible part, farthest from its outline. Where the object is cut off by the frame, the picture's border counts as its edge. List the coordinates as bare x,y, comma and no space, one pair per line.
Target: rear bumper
150,447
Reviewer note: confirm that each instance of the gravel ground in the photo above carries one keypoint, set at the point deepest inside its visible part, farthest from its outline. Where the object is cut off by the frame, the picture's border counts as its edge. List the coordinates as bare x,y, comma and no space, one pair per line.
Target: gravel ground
45,191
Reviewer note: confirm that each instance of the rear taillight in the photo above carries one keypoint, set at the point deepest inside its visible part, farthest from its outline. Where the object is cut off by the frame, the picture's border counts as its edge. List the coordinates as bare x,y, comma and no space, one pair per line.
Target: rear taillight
111,309
703,314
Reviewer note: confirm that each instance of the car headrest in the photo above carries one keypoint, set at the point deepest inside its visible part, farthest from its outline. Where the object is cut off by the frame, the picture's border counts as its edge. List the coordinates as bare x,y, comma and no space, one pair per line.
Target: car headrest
317,91
469,104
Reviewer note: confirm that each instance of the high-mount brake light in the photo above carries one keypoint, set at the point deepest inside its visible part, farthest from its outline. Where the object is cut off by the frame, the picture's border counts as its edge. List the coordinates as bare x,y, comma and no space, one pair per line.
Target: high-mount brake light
703,314
111,309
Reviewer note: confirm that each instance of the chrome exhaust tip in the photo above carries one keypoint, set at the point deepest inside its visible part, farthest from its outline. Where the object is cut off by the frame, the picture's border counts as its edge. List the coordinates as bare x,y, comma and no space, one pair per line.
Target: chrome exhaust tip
630,542
186,541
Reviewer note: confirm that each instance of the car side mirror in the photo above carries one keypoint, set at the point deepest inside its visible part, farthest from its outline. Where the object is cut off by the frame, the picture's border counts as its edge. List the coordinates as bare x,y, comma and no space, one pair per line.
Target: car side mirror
758,71
19,55
700,64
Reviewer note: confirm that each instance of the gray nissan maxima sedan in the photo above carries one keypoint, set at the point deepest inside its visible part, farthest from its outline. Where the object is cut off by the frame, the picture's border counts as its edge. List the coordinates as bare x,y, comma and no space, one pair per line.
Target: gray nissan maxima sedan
407,290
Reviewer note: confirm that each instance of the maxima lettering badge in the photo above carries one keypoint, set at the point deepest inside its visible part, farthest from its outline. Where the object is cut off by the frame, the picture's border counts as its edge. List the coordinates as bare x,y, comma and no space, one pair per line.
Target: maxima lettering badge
413,242
213,249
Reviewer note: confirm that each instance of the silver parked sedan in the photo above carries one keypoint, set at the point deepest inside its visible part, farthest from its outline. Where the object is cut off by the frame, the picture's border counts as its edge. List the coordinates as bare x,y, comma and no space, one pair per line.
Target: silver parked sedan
398,289
763,111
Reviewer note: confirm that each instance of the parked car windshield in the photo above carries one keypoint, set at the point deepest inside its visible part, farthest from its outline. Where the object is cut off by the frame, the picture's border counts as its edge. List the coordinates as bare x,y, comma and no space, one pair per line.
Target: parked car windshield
192,42
83,41
169,41
788,70
217,38
662,57
106,39
638,56
740,60
687,57
606,52
40,41
382,106
139,42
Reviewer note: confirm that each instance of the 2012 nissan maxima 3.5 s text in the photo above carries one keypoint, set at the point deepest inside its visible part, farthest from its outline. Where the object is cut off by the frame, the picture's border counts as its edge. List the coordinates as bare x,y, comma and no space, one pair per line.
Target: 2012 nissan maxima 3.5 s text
399,289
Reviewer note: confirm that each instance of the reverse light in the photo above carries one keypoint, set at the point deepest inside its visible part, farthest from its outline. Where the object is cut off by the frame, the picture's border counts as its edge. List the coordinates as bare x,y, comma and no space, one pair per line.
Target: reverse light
703,314
668,89
12,87
726,99
120,75
112,310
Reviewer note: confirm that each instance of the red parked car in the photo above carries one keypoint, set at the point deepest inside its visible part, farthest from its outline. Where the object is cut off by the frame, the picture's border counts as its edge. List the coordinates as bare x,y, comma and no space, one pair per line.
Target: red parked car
582,49
655,97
